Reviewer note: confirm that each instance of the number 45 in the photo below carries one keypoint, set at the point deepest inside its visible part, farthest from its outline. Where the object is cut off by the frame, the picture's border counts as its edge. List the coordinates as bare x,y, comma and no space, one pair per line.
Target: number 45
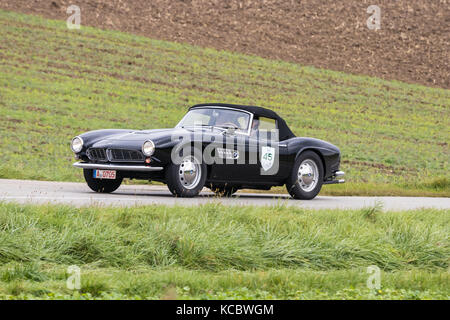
267,156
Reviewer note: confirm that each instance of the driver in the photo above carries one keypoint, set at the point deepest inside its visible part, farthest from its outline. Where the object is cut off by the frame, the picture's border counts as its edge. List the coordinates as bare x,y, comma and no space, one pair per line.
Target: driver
255,127
228,122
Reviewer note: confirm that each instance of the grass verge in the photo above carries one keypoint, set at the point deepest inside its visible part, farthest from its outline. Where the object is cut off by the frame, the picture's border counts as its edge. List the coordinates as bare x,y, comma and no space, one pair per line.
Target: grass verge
214,252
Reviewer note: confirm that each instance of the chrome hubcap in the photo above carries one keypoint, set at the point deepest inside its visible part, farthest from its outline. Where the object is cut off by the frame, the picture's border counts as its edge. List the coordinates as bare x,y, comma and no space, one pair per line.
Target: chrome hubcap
308,175
189,172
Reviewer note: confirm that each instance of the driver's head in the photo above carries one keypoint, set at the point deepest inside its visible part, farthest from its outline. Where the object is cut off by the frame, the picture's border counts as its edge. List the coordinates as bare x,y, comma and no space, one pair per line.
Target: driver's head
255,124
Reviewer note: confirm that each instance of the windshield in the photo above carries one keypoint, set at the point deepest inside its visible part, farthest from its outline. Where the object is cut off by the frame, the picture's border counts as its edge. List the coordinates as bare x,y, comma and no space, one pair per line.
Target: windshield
216,117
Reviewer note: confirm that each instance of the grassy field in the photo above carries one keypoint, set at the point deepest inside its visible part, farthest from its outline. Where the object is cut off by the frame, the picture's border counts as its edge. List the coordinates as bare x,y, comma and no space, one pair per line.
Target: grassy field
56,83
217,252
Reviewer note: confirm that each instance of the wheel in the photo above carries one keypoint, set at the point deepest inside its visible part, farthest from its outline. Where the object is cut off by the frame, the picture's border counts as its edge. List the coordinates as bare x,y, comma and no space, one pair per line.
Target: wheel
101,185
224,191
187,178
306,178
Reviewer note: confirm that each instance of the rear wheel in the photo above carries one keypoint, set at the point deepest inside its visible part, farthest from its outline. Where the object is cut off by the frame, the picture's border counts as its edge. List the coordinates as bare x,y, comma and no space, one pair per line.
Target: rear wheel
101,185
224,191
306,177
187,178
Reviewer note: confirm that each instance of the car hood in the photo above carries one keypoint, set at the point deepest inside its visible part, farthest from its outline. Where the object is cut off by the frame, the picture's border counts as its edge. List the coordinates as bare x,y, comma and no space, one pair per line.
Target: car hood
132,139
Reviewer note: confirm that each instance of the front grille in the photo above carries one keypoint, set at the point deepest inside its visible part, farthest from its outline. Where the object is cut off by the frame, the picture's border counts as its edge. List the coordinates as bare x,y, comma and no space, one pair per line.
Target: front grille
114,155
120,155
96,154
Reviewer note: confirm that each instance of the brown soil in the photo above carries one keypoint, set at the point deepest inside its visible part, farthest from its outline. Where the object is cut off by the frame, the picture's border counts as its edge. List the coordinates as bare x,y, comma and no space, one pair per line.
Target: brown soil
412,45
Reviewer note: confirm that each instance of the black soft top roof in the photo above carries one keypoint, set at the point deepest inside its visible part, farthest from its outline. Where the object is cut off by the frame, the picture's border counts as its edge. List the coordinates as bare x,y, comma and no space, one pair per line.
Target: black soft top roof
285,132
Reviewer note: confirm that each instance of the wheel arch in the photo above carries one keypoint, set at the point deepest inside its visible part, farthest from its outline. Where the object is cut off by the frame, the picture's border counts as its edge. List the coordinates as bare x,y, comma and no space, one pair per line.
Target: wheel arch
316,151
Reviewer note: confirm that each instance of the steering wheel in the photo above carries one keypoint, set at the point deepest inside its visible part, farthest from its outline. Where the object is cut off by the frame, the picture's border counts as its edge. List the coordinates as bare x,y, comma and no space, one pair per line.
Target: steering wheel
229,124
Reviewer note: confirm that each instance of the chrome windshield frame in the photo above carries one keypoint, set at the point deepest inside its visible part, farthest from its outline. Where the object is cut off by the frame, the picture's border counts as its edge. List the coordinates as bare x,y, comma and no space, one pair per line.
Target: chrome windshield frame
249,127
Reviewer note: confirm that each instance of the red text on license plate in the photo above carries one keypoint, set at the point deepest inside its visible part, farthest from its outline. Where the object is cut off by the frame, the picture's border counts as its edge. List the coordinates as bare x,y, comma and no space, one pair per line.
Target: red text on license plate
105,174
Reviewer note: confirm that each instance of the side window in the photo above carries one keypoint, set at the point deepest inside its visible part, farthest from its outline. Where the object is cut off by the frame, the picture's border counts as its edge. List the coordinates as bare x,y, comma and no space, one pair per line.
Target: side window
267,124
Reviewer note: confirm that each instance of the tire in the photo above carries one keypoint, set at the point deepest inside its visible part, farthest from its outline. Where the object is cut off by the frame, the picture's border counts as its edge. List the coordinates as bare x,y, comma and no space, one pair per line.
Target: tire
224,191
308,187
182,183
101,185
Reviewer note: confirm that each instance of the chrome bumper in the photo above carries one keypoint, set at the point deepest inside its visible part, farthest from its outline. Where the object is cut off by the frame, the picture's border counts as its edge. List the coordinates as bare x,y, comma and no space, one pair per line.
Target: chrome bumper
339,173
122,167
336,174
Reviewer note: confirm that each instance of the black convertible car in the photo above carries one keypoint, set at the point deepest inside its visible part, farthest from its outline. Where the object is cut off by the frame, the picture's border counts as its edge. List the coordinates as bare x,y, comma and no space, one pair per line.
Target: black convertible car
221,146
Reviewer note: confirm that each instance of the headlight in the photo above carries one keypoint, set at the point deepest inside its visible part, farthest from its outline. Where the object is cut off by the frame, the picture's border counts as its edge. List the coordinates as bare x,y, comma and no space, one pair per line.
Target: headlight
148,148
77,144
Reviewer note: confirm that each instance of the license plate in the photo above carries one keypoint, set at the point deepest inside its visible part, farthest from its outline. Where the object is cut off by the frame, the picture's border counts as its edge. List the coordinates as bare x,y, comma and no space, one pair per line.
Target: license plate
105,174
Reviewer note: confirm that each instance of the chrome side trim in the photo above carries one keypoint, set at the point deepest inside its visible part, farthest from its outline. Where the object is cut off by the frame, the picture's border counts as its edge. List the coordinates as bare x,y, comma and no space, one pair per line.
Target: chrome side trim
85,165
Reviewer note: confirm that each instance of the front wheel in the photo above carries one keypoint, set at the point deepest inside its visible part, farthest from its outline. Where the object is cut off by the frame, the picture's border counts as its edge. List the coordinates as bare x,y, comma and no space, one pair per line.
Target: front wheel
306,178
187,178
101,185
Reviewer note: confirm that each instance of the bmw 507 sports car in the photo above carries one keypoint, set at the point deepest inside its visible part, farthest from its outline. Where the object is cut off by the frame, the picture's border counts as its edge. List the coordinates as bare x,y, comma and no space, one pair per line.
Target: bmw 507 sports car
223,147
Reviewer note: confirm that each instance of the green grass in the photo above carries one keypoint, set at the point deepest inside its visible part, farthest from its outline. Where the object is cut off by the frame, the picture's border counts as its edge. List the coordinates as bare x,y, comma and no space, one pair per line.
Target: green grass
218,252
56,83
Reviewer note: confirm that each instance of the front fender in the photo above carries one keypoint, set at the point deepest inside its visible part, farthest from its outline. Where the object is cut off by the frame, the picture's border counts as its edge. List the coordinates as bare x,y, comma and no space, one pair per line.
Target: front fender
92,137
329,153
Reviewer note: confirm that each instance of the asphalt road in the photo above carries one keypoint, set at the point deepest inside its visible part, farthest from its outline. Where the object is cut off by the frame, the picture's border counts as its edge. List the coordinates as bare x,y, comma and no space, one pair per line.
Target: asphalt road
78,194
